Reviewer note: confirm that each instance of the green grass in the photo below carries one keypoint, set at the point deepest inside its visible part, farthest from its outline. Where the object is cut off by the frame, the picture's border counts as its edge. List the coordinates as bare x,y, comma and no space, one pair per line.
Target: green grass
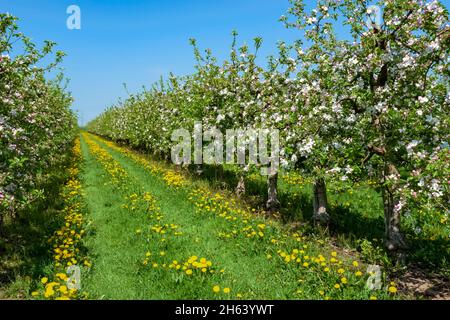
118,252
24,252
109,237
357,219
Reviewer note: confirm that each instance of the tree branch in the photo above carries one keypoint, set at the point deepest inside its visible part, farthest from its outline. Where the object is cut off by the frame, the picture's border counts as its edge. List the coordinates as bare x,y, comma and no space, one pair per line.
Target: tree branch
380,151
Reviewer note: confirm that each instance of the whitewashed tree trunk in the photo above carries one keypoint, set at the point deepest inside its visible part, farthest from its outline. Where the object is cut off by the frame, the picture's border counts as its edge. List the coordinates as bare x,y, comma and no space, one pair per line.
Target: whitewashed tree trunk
273,205
320,203
199,169
394,239
240,189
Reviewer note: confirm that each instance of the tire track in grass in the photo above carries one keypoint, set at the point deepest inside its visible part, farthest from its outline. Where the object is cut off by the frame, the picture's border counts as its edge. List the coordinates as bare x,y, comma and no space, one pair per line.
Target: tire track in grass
111,239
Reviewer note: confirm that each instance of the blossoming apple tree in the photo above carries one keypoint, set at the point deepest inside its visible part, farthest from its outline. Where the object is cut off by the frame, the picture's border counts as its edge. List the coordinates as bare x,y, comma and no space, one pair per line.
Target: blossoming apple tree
36,125
381,96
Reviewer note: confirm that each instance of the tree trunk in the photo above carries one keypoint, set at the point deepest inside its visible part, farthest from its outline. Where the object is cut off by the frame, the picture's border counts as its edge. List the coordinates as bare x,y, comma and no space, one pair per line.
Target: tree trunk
320,202
199,169
221,174
394,239
240,189
273,205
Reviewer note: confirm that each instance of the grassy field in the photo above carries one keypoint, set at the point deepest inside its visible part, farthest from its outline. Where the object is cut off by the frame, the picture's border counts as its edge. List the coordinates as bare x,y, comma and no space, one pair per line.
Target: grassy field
155,234
151,231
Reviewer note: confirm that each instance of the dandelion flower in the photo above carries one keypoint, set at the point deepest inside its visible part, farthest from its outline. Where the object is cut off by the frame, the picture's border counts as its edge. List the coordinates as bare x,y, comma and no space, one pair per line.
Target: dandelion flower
392,289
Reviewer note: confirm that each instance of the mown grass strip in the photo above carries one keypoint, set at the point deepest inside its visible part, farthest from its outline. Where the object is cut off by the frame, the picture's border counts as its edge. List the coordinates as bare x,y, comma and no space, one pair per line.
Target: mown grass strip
259,259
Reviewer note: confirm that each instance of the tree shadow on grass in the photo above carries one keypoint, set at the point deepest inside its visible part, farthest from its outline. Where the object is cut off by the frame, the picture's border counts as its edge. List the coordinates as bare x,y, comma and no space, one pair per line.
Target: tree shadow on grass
223,179
294,205
433,255
24,251
346,222
353,224
296,208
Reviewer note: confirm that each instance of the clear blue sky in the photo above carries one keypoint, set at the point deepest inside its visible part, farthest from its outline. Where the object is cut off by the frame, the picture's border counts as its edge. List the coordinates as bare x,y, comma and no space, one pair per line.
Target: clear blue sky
137,41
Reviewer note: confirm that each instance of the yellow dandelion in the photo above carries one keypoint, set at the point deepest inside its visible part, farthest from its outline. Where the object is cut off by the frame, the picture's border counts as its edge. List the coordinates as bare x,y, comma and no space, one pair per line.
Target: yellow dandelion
393,289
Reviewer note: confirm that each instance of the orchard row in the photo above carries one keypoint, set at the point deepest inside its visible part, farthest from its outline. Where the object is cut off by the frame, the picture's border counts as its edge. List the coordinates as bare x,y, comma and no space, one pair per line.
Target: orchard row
374,107
37,128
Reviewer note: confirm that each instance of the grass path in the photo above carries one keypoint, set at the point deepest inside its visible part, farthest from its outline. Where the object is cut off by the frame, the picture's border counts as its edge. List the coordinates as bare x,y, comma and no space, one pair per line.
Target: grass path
111,241
121,239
